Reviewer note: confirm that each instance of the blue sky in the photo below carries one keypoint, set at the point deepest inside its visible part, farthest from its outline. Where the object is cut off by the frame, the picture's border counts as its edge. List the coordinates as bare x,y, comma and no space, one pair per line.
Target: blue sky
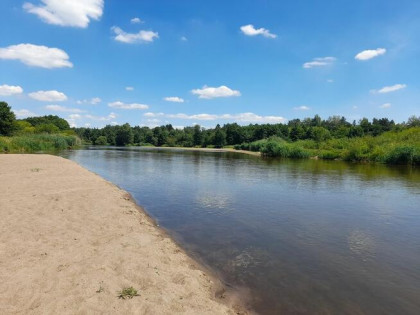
183,62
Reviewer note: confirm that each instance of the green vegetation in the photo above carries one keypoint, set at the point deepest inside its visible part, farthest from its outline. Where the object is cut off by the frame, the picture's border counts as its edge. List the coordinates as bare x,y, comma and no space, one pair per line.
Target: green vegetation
34,134
37,143
379,140
127,293
392,147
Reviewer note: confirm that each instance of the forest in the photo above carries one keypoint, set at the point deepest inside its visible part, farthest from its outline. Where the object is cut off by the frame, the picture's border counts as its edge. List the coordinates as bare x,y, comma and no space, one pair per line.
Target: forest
379,140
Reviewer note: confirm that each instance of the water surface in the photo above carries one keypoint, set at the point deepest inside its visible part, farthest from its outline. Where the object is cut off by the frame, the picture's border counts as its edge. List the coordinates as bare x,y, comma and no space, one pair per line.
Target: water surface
306,237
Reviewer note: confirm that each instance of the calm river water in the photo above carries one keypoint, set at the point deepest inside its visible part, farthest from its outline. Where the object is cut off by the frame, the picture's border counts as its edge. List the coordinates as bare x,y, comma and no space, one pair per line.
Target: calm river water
306,237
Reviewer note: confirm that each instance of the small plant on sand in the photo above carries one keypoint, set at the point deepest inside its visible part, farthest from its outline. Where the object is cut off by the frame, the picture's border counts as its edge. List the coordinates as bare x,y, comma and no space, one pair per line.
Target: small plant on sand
101,288
127,293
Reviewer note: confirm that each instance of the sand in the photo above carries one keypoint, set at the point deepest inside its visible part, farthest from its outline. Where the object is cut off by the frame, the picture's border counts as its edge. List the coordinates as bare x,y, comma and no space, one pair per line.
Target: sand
70,241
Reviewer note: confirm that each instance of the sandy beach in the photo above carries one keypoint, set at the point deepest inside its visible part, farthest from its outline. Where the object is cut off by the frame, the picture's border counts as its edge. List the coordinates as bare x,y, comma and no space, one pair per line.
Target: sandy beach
70,241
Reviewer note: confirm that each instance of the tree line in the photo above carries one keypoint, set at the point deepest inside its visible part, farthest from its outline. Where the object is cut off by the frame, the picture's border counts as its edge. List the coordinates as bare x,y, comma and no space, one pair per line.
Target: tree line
231,134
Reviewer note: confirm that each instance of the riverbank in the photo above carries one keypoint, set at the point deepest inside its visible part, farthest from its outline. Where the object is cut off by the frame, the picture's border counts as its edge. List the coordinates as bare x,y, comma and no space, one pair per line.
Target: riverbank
208,150
70,242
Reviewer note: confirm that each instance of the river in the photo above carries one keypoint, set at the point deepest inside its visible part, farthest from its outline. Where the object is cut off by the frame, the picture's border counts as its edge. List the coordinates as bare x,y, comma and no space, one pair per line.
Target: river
303,236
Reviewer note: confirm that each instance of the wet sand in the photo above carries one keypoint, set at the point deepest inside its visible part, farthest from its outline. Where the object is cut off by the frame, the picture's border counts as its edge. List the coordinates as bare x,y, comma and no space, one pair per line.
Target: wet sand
70,241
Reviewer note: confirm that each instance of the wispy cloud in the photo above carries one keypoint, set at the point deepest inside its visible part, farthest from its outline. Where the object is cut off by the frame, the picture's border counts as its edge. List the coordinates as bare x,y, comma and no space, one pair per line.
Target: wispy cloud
59,108
92,101
319,62
131,38
250,30
242,117
174,99
129,88
386,105
136,20
388,89
75,13
7,90
23,113
121,105
37,56
213,92
48,96
370,53
303,107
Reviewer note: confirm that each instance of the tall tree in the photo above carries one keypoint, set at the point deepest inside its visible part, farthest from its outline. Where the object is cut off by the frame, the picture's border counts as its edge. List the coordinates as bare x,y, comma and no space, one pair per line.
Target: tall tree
7,119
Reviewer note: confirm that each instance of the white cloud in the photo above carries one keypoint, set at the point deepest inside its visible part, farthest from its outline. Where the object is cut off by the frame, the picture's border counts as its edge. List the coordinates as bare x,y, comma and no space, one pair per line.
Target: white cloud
197,116
75,116
184,39
242,117
129,88
75,13
330,81
174,99
386,105
130,38
136,20
92,101
111,116
37,56
7,90
23,113
153,114
319,62
48,96
392,88
212,92
121,105
59,108
370,53
250,30
303,107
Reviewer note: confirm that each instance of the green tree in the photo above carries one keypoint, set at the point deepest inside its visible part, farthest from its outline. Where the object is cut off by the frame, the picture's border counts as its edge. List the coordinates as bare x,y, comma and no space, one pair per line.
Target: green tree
7,119
320,134
46,128
124,135
197,136
219,137
101,140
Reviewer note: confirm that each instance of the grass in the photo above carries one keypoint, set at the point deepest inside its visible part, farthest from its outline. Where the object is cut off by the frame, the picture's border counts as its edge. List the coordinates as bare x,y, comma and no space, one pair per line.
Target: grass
127,293
393,147
38,143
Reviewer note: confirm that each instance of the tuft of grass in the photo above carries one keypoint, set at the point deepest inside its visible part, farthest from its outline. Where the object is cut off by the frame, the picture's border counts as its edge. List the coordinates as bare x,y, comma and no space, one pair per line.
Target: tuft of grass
127,293
101,288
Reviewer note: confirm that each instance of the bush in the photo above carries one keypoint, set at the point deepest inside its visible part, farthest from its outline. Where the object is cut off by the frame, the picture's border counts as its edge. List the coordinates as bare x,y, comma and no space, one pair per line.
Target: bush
403,155
101,140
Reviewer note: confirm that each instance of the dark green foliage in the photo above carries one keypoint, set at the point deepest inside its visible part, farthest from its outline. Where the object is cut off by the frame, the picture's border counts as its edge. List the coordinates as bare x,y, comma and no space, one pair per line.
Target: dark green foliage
124,135
219,137
7,119
60,123
101,140
404,154
334,138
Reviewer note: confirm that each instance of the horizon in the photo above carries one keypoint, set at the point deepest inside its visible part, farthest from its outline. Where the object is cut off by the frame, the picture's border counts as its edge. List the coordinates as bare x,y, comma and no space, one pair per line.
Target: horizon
185,63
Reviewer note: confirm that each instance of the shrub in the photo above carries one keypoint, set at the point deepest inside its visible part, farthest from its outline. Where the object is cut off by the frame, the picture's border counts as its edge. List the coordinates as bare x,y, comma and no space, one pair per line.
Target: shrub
403,155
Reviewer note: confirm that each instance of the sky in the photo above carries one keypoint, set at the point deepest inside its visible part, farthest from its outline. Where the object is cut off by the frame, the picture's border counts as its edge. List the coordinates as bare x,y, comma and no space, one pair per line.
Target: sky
186,62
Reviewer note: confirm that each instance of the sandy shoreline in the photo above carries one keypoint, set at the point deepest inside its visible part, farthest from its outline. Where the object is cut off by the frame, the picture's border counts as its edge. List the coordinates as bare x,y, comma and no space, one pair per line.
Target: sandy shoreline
69,241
